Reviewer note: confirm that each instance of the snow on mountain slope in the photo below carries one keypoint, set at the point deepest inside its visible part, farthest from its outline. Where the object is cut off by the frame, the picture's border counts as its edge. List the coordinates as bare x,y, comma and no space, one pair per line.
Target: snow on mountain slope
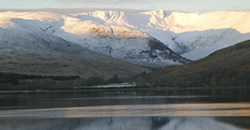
191,34
202,34
200,44
120,42
139,37
24,51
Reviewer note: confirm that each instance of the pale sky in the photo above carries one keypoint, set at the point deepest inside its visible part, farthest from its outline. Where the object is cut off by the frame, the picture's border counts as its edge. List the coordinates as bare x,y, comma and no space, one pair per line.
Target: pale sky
177,5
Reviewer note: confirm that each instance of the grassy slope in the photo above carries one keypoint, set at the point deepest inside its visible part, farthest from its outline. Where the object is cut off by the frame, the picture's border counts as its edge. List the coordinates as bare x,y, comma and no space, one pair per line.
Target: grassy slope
62,61
229,66
236,57
71,64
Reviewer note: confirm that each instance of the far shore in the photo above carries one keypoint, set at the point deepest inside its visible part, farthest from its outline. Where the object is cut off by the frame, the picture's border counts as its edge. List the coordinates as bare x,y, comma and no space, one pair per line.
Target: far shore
215,89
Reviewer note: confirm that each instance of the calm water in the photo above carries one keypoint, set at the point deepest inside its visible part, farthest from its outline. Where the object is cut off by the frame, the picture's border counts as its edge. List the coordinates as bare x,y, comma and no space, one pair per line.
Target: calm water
123,109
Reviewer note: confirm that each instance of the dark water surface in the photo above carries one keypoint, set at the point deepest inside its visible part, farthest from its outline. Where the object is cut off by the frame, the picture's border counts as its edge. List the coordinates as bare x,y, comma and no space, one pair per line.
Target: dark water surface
124,109
123,96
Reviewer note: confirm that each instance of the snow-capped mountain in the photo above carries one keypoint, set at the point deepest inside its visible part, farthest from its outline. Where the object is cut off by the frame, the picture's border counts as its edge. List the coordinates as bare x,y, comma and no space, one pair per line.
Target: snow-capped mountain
192,35
153,39
120,42
26,52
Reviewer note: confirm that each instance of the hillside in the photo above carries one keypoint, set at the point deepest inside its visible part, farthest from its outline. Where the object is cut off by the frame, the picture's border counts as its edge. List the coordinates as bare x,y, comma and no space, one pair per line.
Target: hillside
153,39
42,54
226,67
94,33
106,42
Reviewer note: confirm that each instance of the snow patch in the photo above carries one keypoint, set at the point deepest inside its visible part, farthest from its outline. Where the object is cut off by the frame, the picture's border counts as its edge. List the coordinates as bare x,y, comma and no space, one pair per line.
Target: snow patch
124,35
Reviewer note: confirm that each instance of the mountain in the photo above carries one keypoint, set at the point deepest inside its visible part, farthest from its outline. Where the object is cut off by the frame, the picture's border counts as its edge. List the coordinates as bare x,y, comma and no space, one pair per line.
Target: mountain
34,53
153,39
191,35
88,31
226,67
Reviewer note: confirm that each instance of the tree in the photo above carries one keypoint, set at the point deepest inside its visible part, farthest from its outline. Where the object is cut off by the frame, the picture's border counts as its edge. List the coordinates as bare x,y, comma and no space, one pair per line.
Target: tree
96,80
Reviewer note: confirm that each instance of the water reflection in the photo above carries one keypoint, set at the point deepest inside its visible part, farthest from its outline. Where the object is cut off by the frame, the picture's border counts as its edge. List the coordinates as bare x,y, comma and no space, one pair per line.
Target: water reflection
118,123
94,97
201,109
126,109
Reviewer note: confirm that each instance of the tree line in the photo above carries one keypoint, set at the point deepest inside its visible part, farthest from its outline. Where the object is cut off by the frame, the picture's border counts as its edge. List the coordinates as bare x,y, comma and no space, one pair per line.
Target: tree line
13,78
15,81
217,77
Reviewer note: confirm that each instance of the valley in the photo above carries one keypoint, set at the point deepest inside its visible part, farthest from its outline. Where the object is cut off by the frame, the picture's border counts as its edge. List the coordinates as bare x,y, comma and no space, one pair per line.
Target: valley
130,45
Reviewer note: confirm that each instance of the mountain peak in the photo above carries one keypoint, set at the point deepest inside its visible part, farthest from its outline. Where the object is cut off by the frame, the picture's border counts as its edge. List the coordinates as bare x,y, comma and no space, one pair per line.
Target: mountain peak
107,15
125,35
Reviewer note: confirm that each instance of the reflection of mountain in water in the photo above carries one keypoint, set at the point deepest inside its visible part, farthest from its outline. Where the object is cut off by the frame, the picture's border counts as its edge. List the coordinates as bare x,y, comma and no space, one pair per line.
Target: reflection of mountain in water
143,123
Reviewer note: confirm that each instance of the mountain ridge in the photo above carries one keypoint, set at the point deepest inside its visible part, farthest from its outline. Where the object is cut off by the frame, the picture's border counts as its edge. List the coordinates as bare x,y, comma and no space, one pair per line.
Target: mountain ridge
227,67
32,54
125,36
97,37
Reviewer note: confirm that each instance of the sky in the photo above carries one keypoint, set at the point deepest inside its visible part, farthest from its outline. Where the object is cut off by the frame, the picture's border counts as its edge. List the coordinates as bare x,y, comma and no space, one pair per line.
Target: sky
176,5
